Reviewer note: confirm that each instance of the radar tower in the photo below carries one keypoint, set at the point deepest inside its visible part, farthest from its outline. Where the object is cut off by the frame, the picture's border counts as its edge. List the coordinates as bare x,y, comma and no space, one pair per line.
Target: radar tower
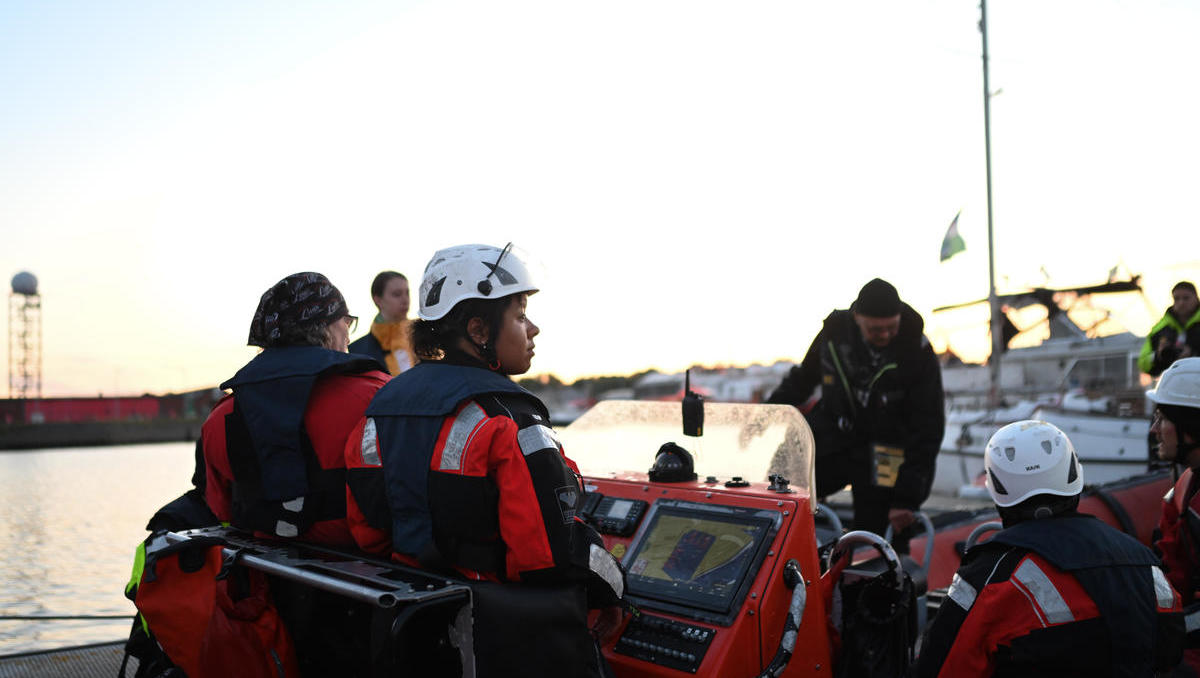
24,338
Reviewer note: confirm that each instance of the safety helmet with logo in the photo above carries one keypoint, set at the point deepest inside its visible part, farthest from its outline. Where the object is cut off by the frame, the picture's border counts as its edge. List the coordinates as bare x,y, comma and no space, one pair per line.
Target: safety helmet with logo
1028,458
472,272
1179,384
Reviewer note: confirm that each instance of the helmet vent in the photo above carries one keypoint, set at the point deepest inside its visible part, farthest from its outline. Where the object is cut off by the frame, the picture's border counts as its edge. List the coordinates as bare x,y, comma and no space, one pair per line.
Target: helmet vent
435,293
997,486
1047,447
1010,452
502,274
1074,472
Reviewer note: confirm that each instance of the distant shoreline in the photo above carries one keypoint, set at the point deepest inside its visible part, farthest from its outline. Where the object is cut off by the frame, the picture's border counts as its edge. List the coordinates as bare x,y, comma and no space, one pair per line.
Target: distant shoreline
15,437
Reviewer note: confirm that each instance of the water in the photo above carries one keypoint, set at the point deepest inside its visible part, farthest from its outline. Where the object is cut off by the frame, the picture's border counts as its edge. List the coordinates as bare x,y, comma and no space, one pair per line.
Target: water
69,522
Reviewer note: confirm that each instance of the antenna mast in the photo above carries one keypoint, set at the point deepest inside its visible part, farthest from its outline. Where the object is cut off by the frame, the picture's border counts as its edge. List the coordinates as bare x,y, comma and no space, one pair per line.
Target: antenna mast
993,300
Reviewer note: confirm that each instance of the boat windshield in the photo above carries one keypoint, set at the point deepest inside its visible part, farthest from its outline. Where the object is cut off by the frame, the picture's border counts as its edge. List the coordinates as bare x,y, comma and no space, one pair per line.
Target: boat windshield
751,441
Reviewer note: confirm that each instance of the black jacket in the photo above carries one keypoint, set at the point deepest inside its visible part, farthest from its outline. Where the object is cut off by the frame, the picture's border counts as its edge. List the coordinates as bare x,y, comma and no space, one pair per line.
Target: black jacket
891,396
368,345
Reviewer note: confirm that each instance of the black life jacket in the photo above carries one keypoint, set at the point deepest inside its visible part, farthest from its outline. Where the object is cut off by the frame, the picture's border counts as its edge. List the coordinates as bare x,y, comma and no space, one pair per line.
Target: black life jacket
409,411
1112,567
279,486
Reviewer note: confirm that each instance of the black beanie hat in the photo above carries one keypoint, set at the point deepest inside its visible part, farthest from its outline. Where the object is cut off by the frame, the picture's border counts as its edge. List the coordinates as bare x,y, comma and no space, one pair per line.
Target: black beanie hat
877,299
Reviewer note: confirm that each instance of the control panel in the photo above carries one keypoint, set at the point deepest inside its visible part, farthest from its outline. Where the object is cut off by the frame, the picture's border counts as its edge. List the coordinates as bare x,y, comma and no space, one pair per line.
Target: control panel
665,642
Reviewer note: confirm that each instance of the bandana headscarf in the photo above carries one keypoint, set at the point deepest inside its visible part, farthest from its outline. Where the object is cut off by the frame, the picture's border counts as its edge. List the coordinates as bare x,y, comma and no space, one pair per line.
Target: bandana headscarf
298,300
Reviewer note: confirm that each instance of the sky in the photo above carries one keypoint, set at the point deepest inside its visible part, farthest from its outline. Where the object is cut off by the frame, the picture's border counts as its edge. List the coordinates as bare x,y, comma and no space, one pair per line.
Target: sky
700,181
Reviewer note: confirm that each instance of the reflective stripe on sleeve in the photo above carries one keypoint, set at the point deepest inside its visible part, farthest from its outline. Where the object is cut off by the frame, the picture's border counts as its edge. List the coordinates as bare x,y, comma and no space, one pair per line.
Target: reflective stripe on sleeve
603,564
961,592
370,445
1191,621
460,435
536,438
1045,595
1162,589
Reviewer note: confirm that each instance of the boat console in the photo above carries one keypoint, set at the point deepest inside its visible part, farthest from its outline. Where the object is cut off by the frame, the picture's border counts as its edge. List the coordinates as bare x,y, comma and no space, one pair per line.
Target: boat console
711,563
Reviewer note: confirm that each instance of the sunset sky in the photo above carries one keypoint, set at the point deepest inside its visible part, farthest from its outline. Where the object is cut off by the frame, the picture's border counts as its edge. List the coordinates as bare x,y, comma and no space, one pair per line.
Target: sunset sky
702,181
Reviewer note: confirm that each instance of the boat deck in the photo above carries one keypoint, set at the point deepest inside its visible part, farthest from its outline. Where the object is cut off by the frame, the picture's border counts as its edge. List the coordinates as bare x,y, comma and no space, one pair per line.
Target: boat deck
87,661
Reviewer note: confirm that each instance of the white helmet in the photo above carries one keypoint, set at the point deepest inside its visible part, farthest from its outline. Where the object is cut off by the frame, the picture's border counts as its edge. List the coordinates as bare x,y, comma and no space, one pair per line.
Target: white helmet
1178,385
1031,457
471,272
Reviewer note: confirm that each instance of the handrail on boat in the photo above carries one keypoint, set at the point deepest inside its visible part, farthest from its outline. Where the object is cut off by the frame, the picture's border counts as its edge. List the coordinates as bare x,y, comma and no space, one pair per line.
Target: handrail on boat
979,531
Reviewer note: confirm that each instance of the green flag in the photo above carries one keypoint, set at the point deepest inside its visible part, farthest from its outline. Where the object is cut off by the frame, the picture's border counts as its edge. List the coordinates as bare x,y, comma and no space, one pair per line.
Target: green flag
953,243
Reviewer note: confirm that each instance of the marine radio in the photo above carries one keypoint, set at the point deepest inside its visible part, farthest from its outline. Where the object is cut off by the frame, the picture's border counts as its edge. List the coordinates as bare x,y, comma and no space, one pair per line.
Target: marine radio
613,515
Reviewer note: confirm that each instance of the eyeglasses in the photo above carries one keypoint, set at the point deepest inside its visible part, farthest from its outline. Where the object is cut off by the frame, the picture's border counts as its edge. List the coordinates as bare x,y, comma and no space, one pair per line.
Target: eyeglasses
352,321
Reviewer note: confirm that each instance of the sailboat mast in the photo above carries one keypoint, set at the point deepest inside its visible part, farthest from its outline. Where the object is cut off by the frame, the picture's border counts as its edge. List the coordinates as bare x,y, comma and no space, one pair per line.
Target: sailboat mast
993,300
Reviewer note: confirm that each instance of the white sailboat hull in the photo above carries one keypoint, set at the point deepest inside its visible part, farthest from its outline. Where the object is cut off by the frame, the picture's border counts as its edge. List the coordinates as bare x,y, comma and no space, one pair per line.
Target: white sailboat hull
1109,448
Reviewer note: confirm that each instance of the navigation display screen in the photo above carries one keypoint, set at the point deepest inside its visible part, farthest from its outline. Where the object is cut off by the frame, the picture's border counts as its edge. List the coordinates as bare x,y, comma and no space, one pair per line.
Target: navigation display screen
697,555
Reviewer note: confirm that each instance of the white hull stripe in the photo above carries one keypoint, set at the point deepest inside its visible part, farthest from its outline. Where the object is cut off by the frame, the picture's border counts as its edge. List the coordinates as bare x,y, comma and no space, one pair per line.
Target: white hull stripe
370,446
603,564
536,438
460,436
1045,596
962,593
1162,589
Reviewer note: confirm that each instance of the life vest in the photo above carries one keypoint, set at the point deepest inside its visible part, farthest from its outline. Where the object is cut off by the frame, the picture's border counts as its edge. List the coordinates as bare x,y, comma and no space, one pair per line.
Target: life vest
411,408
1109,565
1179,542
279,485
212,617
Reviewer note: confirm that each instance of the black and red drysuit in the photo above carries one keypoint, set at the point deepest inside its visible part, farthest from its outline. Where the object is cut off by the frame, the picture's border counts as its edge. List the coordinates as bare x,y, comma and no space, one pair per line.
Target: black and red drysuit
1061,596
456,468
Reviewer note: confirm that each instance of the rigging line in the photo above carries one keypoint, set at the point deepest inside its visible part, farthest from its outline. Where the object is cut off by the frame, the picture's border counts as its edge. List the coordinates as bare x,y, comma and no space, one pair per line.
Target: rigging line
59,617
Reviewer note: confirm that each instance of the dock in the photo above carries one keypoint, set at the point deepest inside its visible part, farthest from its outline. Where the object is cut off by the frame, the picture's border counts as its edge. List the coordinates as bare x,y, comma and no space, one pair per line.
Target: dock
102,660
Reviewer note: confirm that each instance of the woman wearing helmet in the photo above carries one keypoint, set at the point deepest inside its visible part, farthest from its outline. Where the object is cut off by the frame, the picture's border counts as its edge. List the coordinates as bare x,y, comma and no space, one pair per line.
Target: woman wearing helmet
456,469
1056,592
1176,426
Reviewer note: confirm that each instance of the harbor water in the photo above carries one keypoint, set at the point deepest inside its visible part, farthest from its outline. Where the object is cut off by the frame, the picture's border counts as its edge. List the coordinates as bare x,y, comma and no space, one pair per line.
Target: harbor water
71,521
